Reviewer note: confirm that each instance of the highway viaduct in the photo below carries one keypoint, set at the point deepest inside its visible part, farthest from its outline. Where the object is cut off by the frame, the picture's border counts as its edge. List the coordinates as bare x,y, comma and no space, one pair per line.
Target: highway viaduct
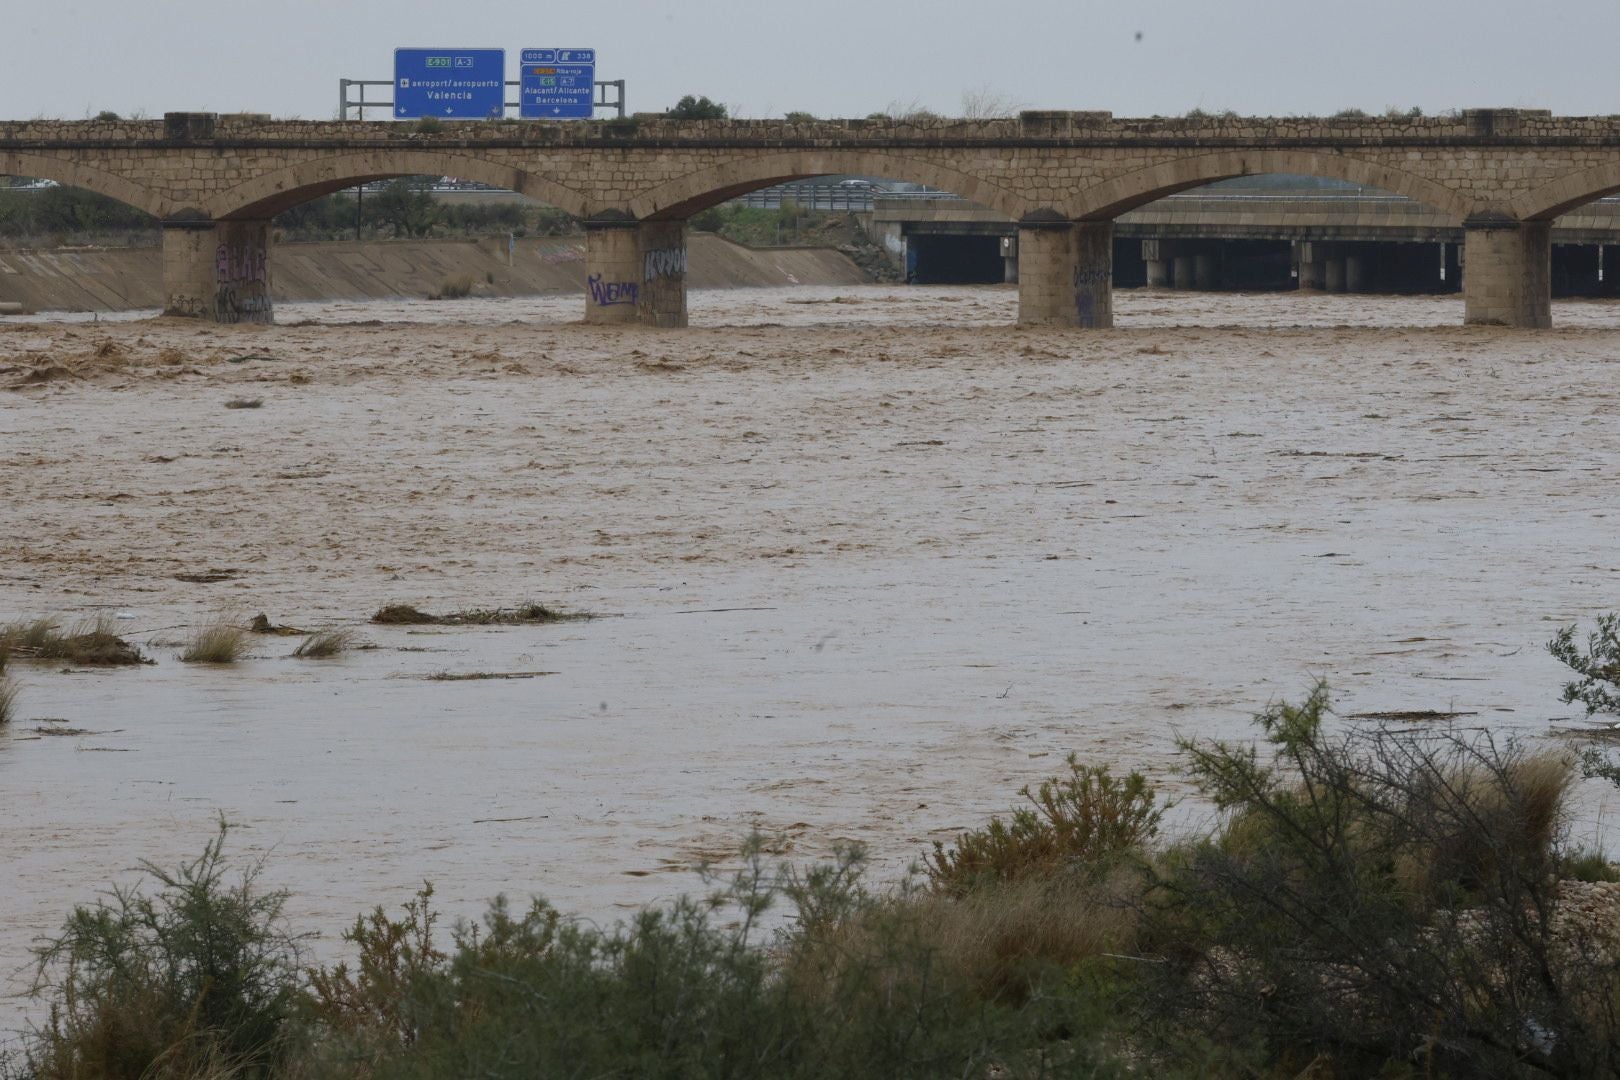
1266,233
215,182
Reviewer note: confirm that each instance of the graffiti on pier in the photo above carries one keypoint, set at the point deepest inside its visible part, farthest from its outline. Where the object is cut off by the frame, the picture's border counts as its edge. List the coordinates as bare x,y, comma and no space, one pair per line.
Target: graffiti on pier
608,293
665,262
1089,282
242,284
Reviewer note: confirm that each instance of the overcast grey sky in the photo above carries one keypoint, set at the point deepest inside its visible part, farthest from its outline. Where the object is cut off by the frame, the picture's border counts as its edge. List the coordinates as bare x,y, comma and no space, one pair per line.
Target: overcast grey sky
71,58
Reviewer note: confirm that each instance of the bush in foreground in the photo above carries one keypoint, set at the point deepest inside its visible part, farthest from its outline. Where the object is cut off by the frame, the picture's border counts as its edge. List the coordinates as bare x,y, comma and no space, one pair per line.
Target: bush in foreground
1082,823
199,978
684,991
1380,900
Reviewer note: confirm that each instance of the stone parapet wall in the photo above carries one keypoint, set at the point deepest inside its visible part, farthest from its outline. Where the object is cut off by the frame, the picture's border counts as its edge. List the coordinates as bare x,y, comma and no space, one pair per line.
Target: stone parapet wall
1493,125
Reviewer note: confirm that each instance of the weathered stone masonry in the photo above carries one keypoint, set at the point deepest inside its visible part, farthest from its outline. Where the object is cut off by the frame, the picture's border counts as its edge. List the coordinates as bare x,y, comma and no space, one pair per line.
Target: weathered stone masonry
216,181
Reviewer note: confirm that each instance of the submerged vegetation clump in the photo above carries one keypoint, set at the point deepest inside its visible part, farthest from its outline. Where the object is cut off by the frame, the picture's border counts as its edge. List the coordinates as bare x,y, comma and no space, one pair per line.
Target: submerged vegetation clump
91,643
523,614
261,624
324,644
219,642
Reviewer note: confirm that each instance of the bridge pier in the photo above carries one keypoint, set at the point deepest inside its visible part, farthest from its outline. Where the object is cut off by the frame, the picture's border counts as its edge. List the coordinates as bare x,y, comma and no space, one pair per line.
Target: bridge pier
1065,272
635,271
217,270
663,273
1156,256
1509,272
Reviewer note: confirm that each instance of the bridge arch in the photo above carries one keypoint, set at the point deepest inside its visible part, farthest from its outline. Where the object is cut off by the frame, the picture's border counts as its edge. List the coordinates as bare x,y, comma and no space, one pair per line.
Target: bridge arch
686,195
1109,199
269,194
74,174
1568,192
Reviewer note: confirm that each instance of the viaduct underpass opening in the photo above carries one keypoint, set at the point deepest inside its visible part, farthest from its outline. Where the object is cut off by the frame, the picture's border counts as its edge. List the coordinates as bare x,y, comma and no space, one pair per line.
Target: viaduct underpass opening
933,259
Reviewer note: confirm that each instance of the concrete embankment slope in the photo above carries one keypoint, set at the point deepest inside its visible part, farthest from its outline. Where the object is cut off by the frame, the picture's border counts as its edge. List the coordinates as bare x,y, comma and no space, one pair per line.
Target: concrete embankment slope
105,279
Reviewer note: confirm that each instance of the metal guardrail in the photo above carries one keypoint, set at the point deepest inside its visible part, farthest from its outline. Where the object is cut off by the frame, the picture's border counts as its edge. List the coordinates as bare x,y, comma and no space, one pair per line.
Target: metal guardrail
828,196
360,104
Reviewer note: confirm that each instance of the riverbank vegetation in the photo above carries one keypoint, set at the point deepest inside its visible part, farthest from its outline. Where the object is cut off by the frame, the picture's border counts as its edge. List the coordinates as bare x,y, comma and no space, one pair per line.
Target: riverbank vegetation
1367,900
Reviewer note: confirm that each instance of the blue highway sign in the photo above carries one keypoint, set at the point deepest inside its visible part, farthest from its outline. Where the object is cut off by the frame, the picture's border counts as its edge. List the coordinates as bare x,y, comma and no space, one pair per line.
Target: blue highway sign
452,84
557,84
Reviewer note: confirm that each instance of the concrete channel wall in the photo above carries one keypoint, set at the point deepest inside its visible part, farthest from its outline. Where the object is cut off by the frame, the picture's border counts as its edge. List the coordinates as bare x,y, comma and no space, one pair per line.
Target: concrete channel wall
111,279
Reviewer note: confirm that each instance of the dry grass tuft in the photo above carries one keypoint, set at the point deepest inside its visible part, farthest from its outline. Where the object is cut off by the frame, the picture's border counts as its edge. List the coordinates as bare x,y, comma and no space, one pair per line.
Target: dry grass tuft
90,642
453,288
1004,938
219,642
324,644
8,700
1484,820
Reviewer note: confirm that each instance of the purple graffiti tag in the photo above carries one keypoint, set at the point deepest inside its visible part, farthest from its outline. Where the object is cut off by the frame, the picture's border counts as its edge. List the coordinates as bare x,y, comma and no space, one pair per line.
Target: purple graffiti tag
608,293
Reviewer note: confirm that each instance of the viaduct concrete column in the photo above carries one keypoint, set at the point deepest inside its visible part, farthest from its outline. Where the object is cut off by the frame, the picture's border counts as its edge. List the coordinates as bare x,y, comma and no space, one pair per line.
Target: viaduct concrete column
1204,272
1155,253
218,271
1333,274
1509,279
1308,258
1355,274
1065,273
663,273
1184,273
612,271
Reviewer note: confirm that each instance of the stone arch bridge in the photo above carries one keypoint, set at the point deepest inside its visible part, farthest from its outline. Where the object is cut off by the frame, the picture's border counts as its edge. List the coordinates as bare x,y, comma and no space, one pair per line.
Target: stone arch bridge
216,181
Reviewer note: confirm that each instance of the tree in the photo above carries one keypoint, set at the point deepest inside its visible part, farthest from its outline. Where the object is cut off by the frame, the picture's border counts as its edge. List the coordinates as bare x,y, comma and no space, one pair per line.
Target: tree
697,108
407,206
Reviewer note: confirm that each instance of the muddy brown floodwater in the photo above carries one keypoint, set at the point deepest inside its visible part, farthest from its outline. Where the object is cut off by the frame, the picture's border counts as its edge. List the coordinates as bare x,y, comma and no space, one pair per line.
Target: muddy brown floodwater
866,561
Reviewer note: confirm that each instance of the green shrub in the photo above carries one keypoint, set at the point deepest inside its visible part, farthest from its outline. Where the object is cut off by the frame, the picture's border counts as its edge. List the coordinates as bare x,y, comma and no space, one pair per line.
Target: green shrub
1588,866
1083,822
710,220
1598,665
688,990
1377,899
197,978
